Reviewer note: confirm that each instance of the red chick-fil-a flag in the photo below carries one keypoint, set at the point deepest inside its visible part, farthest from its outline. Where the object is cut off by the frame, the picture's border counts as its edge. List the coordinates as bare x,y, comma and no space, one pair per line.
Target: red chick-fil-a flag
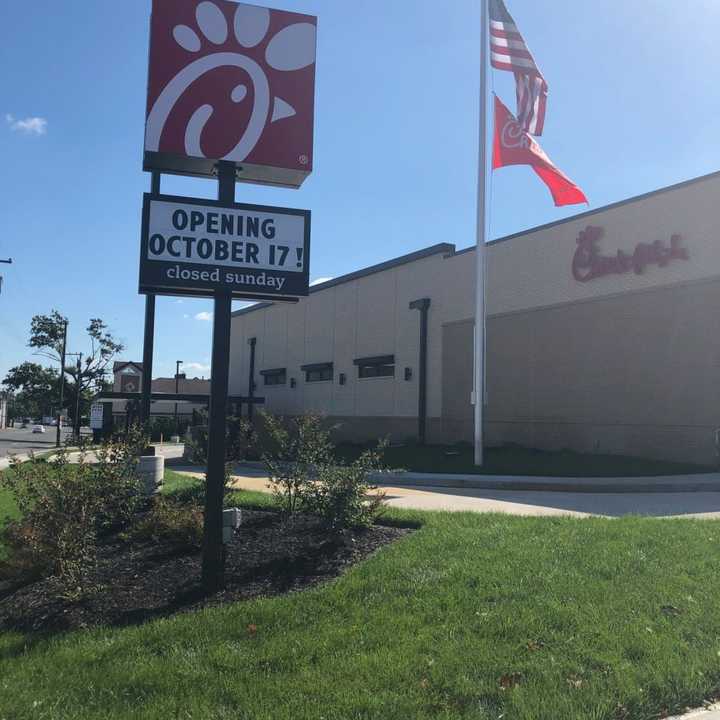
514,146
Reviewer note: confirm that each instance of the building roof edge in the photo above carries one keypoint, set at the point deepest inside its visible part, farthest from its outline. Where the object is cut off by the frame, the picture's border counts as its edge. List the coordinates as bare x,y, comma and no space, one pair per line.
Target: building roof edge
595,211
439,248
449,249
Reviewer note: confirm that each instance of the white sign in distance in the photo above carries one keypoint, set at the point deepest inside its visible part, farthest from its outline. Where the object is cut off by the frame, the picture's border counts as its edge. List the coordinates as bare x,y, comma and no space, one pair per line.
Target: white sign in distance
192,246
96,416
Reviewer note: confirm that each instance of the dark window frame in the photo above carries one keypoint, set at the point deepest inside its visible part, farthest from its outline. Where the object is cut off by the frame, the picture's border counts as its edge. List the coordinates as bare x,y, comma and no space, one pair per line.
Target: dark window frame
319,372
275,377
377,366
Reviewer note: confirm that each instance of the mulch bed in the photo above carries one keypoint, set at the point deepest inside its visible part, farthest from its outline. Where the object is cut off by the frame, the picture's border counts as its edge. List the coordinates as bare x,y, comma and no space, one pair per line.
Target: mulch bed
268,556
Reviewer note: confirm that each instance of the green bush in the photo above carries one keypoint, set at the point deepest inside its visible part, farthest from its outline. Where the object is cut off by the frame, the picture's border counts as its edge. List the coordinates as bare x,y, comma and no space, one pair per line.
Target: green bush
21,564
166,427
170,522
306,475
57,508
65,507
342,495
238,441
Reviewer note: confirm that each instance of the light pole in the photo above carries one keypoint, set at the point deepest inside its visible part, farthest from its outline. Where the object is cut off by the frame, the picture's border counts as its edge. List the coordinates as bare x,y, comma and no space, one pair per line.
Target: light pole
178,363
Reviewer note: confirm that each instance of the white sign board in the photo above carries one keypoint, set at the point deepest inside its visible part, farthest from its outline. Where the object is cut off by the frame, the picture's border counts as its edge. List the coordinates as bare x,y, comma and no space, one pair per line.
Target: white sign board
96,416
198,246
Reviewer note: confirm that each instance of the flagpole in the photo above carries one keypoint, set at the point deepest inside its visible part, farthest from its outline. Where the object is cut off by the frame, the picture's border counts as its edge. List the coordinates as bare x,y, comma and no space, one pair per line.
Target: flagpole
479,365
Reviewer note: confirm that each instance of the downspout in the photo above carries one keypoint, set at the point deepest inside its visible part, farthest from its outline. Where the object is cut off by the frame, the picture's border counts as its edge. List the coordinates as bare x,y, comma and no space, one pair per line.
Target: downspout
423,305
251,380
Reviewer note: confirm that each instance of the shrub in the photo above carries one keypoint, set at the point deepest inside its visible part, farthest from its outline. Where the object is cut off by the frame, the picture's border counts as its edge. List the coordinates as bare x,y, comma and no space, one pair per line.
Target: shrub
21,564
170,522
57,508
115,479
342,495
64,508
305,474
292,452
165,427
238,443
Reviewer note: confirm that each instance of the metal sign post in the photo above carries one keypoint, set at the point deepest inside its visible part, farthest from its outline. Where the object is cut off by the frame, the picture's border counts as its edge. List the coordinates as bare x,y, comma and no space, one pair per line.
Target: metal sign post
149,339
213,567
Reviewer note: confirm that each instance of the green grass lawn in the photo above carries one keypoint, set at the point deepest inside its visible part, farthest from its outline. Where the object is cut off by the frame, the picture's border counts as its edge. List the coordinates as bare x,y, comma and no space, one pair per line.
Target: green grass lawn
7,505
579,619
515,460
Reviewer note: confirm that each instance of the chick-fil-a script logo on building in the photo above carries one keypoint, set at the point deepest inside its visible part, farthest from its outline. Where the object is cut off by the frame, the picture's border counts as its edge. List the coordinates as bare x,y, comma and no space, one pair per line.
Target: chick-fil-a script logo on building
231,81
588,264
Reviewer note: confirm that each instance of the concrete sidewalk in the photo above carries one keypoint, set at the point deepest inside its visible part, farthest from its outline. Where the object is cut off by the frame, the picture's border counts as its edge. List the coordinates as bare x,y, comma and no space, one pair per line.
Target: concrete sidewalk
5,461
168,450
701,505
712,712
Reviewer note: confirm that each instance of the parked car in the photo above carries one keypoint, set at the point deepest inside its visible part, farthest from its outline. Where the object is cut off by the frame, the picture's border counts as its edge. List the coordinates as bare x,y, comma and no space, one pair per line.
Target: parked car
38,429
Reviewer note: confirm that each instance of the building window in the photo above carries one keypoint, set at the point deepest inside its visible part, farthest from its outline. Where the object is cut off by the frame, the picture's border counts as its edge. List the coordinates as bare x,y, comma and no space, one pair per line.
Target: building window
319,372
130,383
274,377
378,366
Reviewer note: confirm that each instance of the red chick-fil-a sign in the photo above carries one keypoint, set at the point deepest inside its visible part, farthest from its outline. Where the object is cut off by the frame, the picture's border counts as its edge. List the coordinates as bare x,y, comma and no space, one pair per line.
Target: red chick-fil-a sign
589,264
231,81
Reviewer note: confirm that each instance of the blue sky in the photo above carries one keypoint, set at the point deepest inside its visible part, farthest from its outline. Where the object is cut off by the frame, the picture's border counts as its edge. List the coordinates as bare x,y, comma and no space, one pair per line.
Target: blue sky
633,106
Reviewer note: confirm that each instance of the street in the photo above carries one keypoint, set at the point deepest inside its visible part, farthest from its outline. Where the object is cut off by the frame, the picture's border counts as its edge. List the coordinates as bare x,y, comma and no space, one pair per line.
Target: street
17,441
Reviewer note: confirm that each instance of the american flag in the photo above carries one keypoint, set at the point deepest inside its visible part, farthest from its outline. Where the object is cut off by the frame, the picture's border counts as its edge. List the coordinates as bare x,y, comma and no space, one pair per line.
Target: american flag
508,51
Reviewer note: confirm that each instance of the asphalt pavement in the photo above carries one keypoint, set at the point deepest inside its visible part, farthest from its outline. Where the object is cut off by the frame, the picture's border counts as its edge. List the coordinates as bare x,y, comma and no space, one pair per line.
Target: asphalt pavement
18,441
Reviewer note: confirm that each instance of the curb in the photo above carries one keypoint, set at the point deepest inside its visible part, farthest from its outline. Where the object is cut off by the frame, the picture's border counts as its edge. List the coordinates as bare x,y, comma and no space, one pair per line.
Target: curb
707,482
702,482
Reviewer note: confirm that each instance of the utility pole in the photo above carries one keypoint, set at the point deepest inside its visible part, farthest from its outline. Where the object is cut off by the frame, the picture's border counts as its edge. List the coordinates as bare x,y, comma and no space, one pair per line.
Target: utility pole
178,363
58,428
7,262
78,385
77,395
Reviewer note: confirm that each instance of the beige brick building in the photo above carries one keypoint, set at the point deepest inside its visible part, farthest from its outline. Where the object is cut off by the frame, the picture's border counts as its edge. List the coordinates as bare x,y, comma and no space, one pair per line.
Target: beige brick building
602,336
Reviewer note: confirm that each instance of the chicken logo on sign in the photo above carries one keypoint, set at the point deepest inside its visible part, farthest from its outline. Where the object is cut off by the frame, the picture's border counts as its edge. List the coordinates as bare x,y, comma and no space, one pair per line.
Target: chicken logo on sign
230,81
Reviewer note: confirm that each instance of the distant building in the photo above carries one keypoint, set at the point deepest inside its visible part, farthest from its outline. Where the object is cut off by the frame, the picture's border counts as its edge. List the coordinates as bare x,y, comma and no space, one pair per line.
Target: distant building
603,335
128,378
3,412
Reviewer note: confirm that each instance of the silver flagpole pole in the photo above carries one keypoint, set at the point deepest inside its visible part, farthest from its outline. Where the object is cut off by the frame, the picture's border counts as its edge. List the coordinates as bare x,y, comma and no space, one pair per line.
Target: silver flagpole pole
479,384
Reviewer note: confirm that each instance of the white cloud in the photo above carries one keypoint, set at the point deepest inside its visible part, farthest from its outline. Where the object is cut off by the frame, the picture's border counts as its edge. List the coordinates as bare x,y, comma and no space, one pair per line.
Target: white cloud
28,126
196,367
205,316
320,281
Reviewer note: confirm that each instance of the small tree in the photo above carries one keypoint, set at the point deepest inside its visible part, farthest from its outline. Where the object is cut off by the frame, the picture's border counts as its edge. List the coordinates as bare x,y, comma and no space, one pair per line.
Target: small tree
34,389
46,336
